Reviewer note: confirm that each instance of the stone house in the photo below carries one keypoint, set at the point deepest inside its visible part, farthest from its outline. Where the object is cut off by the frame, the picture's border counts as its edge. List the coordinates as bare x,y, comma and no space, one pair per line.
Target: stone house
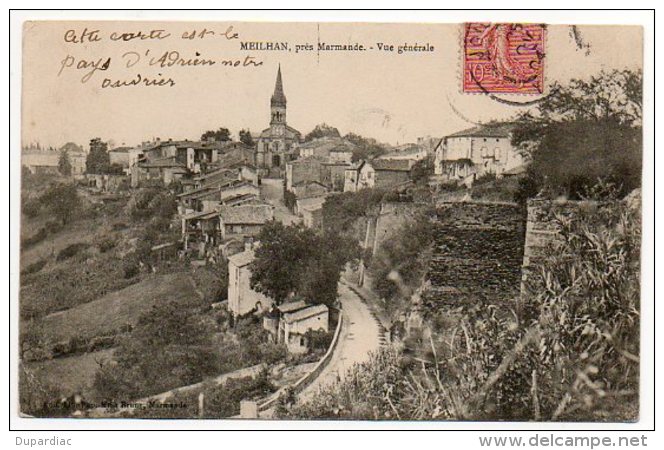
166,170
126,157
242,299
294,325
484,149
289,323
388,173
77,158
333,174
352,177
306,207
243,220
378,173
302,170
312,215
306,189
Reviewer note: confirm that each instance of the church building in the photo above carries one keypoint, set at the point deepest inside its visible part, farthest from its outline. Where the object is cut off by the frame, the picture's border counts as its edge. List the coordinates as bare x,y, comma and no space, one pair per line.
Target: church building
277,144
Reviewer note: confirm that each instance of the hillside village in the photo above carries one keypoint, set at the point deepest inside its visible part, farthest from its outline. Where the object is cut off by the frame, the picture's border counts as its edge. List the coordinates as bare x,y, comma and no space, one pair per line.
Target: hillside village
289,258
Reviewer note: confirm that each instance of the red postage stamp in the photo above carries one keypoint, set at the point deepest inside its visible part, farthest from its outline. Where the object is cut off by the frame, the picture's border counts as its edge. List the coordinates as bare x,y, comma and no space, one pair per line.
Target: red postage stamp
503,58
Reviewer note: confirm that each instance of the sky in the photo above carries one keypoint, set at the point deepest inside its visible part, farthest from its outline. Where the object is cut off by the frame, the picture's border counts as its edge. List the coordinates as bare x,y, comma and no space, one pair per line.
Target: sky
393,98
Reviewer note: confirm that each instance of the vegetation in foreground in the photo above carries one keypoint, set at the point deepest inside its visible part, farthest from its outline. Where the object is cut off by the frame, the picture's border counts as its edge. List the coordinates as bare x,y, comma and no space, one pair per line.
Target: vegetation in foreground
570,352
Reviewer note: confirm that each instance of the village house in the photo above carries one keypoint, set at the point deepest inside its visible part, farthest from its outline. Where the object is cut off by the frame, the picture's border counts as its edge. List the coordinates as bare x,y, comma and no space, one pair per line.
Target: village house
201,230
302,170
378,173
166,170
77,158
333,148
242,299
484,149
290,322
306,189
294,325
311,210
352,177
41,162
126,157
234,154
244,220
332,174
388,173
214,225
277,144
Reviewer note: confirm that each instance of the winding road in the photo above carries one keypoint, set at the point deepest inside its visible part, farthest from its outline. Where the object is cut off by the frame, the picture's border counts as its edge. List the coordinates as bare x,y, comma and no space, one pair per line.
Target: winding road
359,337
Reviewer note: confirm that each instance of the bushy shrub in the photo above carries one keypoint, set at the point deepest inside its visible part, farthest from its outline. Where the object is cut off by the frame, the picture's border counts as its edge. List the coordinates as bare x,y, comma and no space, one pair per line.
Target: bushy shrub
319,339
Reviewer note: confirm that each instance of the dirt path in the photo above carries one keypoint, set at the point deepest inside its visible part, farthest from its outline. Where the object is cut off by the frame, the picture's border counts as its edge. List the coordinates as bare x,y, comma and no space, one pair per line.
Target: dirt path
272,191
360,335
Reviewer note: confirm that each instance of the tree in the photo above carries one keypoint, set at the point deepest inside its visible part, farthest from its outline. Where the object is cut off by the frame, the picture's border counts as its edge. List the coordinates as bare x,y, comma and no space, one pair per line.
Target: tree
422,170
296,261
62,200
280,259
64,165
221,135
246,138
98,160
583,132
365,148
322,130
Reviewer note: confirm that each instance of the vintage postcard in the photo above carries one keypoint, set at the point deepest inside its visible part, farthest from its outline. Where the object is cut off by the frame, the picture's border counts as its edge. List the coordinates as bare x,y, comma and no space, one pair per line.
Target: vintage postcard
365,221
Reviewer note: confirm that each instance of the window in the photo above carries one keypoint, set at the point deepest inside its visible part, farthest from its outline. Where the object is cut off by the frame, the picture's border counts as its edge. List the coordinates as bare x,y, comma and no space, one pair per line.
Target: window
496,153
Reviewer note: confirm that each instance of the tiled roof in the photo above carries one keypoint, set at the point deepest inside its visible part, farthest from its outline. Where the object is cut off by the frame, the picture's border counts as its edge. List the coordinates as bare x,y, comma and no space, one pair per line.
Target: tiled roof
305,313
398,165
246,214
242,259
201,215
162,163
123,150
70,148
495,130
292,306
311,203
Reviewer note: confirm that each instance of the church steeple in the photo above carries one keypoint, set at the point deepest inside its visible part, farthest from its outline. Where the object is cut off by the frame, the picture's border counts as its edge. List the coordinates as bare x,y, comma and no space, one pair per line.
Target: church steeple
278,104
278,98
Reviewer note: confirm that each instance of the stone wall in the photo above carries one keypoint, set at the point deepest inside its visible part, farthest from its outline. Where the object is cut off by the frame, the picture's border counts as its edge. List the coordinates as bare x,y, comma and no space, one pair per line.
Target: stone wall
478,253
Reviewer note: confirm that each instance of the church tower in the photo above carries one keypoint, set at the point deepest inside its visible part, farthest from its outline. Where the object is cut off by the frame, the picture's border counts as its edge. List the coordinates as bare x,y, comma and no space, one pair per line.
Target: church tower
278,105
277,144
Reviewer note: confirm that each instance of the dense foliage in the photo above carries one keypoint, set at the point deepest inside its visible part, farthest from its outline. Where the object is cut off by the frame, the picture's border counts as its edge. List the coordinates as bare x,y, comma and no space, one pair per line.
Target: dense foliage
582,132
98,160
399,265
320,131
297,261
220,135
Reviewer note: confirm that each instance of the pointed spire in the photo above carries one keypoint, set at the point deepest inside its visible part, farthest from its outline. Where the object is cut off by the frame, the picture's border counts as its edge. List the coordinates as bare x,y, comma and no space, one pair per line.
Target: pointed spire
278,98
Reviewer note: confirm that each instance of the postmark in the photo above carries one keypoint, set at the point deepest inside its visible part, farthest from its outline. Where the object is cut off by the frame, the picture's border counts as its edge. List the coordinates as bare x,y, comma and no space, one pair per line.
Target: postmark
503,58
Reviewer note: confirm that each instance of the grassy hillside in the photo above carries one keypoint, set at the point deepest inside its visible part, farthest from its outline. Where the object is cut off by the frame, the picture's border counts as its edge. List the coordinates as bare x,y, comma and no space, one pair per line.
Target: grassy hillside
117,309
